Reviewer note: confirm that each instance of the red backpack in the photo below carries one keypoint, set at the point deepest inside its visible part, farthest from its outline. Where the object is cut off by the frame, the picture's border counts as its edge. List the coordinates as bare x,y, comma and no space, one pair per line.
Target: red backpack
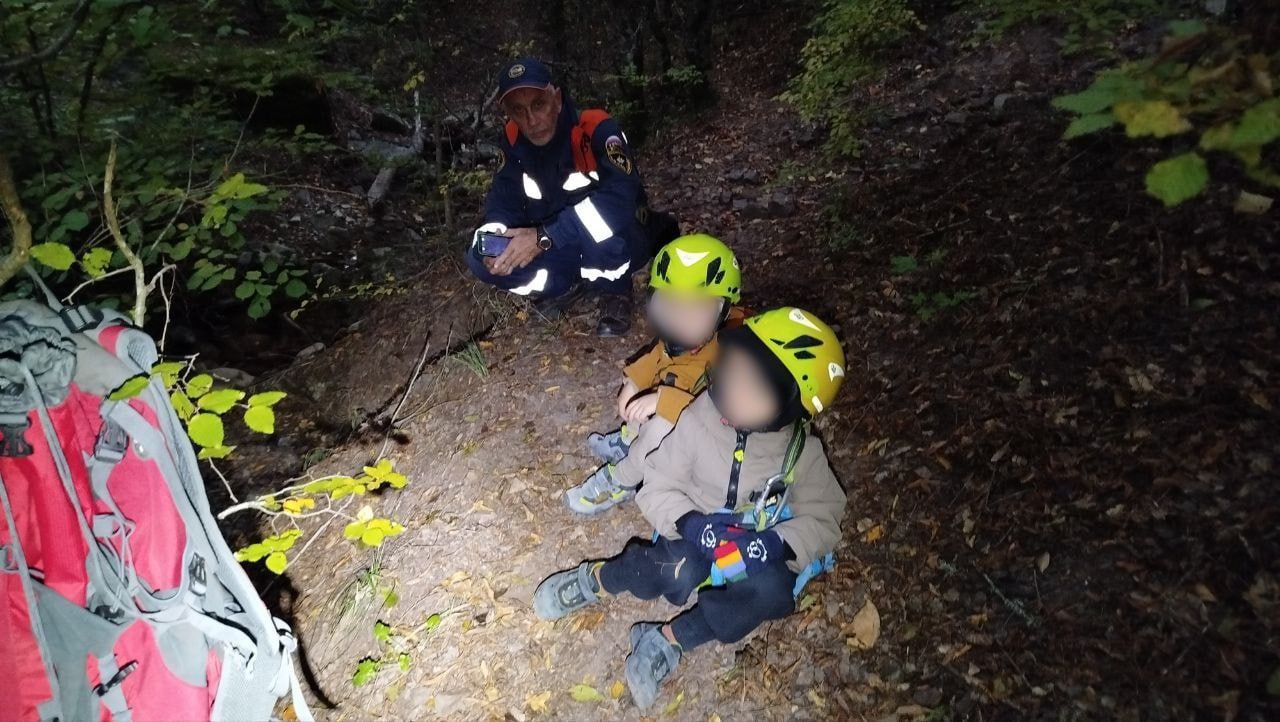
119,598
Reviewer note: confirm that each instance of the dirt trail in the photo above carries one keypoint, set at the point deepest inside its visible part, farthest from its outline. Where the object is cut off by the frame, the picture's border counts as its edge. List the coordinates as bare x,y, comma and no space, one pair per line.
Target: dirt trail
489,460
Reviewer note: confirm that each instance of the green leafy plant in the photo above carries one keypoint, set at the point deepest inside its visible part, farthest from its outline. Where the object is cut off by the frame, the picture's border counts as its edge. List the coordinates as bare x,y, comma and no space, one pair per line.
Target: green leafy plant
393,645
928,305
1085,24
329,496
1207,91
849,41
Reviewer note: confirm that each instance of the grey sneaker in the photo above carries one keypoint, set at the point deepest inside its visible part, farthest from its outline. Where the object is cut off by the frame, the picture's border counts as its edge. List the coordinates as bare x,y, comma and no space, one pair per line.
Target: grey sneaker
612,447
566,592
652,660
599,493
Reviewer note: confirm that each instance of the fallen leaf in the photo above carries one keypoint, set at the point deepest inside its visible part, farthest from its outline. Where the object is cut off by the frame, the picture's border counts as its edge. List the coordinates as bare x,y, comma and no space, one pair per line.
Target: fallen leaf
873,534
617,689
585,693
673,705
1042,562
865,627
538,702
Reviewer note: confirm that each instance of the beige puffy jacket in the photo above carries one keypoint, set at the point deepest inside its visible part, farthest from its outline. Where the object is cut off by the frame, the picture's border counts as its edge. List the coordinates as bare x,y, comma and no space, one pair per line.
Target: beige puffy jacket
692,470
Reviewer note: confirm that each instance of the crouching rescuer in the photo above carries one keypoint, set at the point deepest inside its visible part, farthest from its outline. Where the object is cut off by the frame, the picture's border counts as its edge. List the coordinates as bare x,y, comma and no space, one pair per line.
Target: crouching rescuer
567,212
743,499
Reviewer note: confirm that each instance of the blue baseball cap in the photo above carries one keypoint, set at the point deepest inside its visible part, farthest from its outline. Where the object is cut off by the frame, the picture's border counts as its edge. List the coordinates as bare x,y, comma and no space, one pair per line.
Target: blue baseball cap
522,73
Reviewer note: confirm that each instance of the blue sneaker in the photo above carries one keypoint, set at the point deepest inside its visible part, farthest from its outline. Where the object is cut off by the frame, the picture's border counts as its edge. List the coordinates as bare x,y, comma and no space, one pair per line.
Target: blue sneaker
651,661
566,592
610,448
598,494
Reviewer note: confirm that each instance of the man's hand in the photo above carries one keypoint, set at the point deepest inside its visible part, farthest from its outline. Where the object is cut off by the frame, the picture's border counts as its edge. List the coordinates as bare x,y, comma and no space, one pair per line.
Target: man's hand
520,252
625,394
640,408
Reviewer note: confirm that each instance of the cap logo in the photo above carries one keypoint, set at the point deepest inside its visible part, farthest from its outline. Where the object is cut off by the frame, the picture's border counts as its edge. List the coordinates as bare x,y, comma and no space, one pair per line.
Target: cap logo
516,71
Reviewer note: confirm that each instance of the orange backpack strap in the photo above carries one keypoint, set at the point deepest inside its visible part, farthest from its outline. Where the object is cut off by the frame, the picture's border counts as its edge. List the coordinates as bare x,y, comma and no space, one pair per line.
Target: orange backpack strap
513,132
584,159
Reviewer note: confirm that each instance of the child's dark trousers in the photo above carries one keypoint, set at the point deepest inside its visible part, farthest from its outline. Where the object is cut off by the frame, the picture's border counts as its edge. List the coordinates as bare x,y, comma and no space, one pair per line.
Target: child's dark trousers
673,568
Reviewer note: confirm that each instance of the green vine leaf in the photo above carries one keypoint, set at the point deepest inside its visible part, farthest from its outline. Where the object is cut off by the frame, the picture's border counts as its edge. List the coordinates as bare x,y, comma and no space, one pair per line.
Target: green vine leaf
1086,124
54,255
277,562
266,398
199,385
206,429
182,405
1176,179
95,261
366,670
220,401
261,419
130,388
215,452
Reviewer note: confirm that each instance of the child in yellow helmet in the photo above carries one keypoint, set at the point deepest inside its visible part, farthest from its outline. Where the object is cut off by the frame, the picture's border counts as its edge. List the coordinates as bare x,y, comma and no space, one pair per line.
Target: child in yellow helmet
695,282
741,495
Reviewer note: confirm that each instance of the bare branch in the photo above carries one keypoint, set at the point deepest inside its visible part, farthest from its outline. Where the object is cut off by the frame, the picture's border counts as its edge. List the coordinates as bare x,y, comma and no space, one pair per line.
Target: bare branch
18,223
113,225
77,19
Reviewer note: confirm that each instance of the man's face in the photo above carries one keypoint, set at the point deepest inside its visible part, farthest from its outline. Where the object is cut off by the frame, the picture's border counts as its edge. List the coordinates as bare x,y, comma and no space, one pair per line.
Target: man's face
535,111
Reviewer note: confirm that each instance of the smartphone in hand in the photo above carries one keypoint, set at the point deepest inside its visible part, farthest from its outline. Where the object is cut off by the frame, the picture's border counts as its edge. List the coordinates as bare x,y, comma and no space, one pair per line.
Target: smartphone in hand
492,245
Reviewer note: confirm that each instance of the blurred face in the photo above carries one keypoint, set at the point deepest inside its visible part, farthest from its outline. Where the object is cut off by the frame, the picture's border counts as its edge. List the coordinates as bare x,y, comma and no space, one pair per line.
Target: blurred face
690,321
744,396
535,111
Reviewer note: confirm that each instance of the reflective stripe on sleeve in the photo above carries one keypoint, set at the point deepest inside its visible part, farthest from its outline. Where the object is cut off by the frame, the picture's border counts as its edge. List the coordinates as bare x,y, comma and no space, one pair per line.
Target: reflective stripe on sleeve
592,274
593,221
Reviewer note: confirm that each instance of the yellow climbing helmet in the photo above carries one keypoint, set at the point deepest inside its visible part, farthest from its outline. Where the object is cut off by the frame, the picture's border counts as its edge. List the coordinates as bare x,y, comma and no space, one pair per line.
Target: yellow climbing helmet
808,348
697,264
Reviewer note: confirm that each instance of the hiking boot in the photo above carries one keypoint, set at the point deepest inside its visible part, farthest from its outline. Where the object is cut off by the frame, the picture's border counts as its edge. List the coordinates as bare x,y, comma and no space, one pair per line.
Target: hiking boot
651,661
553,309
599,493
612,447
567,591
615,315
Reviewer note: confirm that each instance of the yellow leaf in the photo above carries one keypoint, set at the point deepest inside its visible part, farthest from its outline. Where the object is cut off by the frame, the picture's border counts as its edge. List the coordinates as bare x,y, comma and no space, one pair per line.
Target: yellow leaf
873,534
298,505
1150,117
585,693
673,705
538,702
617,689
552,389
865,627
277,562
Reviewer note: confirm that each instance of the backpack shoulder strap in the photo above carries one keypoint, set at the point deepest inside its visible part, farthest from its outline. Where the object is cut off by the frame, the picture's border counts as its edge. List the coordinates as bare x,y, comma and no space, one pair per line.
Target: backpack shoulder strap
584,158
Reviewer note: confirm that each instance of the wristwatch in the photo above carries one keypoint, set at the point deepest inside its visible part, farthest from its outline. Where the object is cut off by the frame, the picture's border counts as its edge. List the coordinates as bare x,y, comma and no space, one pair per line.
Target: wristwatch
544,241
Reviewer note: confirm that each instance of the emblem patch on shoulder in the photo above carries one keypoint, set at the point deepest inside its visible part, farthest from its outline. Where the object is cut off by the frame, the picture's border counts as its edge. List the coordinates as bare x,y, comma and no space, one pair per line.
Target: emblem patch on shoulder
502,161
617,153
516,71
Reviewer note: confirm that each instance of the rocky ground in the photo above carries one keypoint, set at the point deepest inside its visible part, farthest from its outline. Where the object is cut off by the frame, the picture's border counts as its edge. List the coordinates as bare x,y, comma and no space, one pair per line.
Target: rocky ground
1058,437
